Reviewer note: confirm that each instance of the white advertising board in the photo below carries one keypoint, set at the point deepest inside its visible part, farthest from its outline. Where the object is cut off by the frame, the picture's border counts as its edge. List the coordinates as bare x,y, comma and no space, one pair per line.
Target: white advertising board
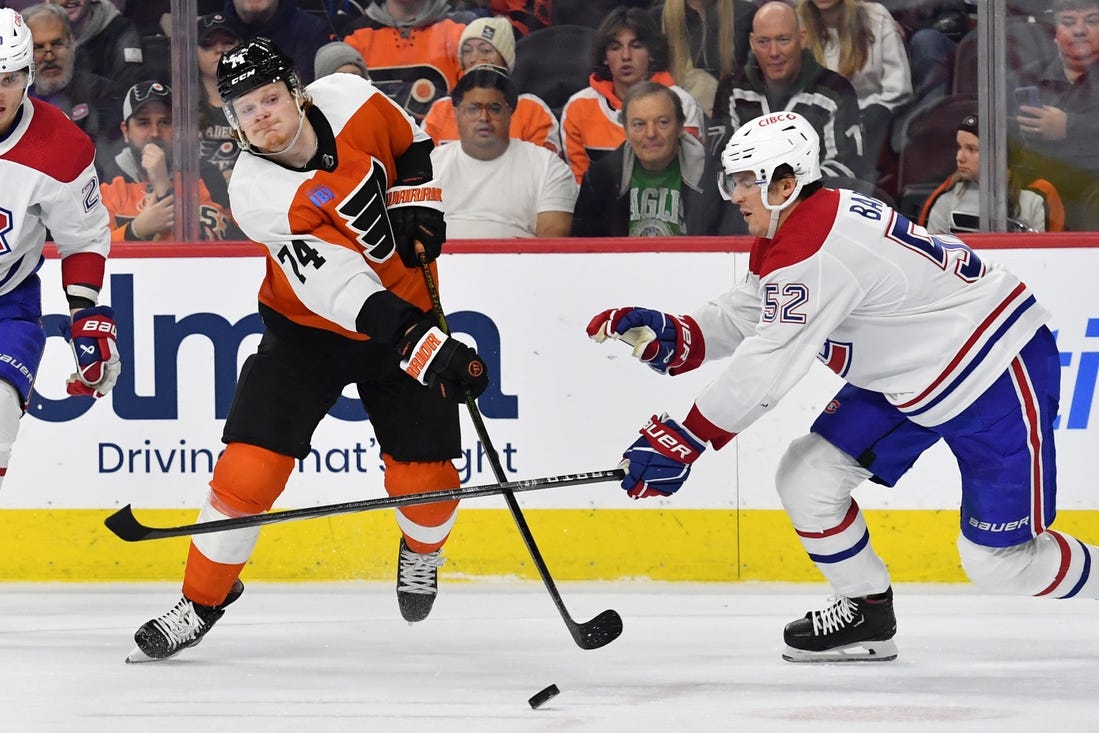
559,404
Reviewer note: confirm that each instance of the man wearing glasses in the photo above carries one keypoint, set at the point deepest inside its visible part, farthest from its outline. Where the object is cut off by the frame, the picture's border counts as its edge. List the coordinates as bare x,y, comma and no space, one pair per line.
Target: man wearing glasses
782,75
88,99
495,186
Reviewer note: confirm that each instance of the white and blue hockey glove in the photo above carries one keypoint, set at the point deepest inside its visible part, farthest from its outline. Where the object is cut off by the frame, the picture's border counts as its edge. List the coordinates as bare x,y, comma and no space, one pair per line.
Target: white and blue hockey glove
667,343
93,337
660,460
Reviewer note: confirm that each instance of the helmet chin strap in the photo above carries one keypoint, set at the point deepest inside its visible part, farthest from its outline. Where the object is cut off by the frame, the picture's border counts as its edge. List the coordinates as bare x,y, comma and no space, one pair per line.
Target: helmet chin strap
776,210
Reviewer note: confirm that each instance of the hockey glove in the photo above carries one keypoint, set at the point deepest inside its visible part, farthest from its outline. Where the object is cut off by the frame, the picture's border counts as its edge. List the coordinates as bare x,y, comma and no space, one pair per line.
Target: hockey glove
665,342
92,336
416,215
660,460
444,364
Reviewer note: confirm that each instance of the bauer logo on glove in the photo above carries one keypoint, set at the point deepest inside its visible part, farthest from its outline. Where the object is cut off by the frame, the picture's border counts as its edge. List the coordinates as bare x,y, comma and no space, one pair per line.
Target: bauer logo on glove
660,460
93,337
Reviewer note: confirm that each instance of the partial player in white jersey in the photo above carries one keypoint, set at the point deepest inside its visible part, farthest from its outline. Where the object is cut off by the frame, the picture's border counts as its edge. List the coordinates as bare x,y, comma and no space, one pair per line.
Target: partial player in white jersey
47,182
934,343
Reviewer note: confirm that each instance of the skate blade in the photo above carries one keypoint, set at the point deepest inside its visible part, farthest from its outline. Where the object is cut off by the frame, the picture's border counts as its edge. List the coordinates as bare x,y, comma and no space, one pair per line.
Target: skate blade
138,657
866,651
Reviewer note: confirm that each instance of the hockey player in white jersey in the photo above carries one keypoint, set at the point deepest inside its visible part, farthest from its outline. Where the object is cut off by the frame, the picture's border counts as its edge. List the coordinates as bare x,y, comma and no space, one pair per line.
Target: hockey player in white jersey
47,182
934,343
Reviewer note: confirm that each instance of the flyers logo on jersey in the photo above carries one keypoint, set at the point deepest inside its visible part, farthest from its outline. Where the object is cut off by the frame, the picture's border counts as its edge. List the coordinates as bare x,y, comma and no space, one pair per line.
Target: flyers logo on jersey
363,212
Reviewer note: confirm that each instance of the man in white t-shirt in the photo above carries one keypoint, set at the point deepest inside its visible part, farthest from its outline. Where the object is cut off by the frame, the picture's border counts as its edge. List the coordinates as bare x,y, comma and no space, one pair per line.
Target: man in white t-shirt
496,187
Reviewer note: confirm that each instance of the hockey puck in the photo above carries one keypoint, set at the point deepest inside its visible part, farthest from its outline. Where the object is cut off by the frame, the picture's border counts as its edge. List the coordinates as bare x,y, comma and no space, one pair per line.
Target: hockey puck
543,697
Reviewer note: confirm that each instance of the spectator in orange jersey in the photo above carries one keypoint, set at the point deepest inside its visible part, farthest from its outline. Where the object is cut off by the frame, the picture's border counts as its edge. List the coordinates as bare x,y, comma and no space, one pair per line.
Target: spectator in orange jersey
140,199
627,49
411,49
491,41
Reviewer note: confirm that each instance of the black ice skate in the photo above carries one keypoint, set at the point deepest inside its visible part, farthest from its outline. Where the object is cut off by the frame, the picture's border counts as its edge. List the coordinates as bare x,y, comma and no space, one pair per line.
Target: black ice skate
848,630
181,627
417,582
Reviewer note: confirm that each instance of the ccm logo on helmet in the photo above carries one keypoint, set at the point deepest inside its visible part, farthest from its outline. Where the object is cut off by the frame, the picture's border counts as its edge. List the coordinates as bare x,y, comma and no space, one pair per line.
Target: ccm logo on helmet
242,77
772,119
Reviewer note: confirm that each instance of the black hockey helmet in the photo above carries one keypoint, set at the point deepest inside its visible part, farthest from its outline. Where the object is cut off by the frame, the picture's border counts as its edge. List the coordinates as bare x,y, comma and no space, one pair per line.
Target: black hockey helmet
249,66
253,64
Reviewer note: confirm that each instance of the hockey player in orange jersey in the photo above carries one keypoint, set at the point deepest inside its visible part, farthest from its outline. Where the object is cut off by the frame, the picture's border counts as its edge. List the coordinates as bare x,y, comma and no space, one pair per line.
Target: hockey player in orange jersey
335,182
491,41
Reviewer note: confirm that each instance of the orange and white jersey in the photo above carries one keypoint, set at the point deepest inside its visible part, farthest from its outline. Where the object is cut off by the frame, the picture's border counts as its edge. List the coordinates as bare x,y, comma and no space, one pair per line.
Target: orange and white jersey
532,120
589,121
413,66
325,229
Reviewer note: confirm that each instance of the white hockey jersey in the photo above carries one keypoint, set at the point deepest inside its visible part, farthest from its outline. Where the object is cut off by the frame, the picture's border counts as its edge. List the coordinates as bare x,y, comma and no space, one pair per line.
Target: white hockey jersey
48,182
847,280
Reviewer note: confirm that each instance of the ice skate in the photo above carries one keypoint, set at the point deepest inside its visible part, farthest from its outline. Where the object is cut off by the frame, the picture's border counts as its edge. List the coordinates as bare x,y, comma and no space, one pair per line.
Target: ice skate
181,627
848,630
417,582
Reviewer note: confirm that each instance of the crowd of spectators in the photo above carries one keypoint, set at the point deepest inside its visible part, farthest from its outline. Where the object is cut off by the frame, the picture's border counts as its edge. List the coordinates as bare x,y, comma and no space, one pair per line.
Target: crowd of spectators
864,73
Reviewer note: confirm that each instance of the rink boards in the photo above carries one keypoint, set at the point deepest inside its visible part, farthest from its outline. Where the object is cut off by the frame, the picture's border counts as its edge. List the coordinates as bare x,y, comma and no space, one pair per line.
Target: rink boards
559,404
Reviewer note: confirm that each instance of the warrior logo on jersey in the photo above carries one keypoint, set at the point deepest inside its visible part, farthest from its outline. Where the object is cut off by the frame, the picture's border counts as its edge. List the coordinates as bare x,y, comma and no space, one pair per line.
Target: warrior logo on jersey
365,214
5,227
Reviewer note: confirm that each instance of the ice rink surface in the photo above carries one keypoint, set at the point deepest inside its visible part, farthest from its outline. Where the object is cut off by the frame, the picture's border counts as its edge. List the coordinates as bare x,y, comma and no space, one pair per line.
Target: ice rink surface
698,658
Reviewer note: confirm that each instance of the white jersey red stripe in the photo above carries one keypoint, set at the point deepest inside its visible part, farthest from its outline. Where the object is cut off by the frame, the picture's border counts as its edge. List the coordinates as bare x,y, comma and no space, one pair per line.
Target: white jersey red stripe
921,319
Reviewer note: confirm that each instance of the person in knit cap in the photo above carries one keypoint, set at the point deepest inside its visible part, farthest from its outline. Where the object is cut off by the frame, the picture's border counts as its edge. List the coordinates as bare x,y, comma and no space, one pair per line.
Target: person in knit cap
627,49
492,41
339,58
955,206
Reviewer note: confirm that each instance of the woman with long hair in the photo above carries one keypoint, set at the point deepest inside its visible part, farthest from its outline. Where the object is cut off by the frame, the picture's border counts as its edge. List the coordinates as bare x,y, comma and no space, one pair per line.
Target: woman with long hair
707,39
862,42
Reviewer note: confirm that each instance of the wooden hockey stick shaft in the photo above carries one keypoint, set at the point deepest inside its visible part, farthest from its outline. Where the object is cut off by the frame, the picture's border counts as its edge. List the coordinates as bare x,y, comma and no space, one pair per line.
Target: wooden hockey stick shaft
599,631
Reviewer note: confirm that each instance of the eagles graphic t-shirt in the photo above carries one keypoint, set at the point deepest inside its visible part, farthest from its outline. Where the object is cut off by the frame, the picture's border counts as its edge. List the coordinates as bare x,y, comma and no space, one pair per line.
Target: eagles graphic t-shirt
655,206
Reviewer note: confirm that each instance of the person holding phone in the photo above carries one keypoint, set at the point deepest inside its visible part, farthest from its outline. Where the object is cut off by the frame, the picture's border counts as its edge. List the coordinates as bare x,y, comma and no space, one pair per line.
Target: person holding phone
1057,112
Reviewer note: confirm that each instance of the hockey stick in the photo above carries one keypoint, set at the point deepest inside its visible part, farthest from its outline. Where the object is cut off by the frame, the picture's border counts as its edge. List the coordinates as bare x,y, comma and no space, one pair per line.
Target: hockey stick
599,631
127,527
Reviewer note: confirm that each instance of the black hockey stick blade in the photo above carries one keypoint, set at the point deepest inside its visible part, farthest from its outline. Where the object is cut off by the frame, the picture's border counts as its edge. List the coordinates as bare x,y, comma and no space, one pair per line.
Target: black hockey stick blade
600,631
604,628
127,527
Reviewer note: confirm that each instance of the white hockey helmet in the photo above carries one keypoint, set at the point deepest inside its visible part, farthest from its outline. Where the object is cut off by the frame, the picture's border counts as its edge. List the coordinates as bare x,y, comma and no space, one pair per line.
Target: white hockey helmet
16,45
767,142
